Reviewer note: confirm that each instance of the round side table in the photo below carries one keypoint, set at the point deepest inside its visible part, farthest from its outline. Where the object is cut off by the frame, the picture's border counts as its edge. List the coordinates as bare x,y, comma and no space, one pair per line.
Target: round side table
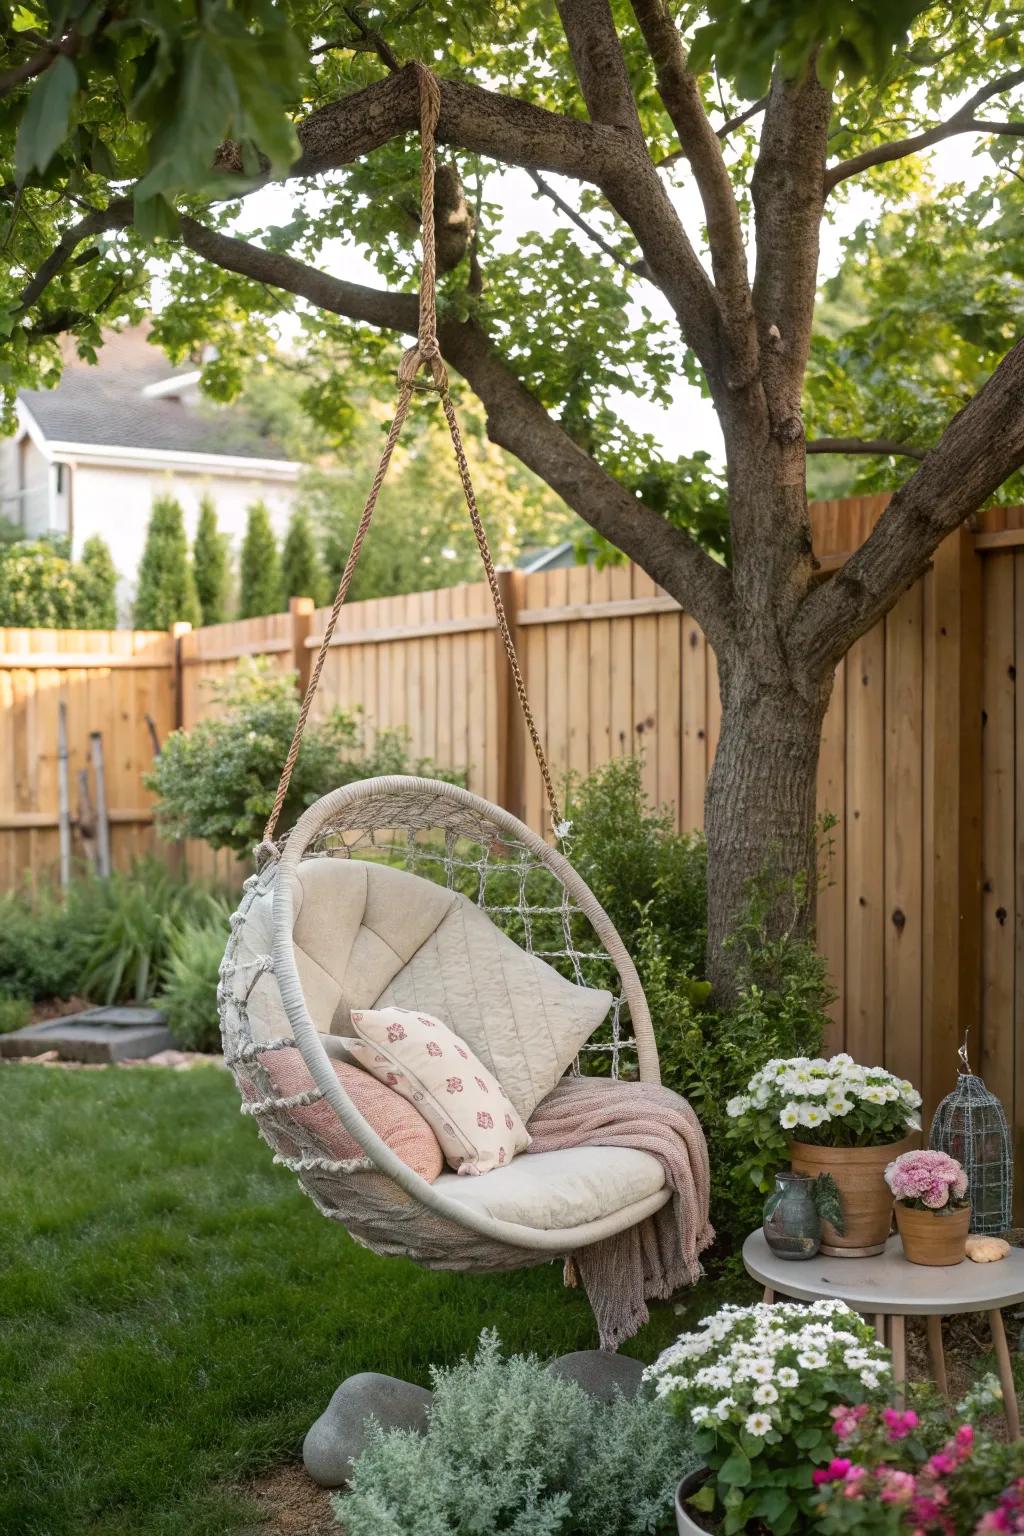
889,1290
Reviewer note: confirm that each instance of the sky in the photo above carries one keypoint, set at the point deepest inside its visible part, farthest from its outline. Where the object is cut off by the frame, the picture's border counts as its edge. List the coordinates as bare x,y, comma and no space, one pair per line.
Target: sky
689,424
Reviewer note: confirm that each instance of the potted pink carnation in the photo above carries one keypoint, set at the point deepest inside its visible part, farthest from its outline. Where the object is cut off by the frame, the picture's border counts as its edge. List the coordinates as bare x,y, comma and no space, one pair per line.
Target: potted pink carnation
933,1213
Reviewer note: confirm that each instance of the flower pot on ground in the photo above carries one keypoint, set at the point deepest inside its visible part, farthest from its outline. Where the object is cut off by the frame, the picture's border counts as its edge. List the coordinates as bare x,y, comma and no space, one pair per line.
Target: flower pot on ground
686,1524
833,1117
933,1213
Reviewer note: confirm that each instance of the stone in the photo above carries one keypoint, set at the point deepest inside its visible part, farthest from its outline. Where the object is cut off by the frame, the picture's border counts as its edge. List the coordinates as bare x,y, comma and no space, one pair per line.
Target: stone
74,1039
600,1373
339,1435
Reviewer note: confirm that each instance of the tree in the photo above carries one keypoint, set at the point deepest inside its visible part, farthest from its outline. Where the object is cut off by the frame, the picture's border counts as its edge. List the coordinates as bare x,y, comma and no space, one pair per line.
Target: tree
302,573
768,112
260,566
96,579
166,591
210,564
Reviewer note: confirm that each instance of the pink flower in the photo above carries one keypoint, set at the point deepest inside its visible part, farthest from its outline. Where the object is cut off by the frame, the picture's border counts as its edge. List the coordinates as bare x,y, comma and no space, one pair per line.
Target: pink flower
836,1470
481,1085
462,1053
484,1120
898,1487
941,1464
508,1122
396,1032
964,1437
454,1085
927,1176
433,1049
899,1424
846,1420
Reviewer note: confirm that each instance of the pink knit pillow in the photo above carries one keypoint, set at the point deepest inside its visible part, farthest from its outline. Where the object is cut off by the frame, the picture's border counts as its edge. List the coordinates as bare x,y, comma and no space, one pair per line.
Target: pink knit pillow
426,1062
396,1121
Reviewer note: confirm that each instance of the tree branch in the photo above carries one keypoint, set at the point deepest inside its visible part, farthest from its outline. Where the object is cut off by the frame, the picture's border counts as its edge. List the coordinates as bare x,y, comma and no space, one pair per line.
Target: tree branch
721,133
632,185
700,144
962,121
515,420
639,268
881,445
117,215
983,444
39,62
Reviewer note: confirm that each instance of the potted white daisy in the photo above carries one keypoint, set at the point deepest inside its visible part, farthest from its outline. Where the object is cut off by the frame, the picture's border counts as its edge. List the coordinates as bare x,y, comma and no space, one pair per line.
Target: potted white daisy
757,1386
831,1117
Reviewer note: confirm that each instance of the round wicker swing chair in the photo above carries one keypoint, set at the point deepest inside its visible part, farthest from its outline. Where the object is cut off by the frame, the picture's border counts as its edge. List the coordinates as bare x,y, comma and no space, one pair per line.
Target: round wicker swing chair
523,885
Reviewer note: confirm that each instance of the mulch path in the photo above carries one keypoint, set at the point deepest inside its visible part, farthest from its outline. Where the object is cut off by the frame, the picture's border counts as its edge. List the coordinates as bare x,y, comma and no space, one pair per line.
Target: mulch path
291,1504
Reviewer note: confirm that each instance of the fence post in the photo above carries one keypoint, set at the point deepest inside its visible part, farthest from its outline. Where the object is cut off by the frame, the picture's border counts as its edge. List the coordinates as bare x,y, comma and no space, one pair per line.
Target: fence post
177,632
511,730
951,990
301,610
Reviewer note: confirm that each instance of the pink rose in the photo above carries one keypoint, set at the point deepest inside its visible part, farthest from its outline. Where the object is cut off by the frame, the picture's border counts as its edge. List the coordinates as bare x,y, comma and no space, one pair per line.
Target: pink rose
899,1424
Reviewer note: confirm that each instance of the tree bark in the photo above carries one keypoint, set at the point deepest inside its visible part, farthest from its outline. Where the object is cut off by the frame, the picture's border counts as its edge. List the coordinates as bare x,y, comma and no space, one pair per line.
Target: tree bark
760,806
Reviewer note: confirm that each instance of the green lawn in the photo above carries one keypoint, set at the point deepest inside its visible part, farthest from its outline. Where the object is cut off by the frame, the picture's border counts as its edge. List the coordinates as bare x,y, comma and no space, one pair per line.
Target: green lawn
174,1313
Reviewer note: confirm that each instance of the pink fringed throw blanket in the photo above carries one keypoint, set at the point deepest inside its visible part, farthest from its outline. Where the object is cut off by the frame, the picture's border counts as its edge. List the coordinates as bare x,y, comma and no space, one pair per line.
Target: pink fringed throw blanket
653,1259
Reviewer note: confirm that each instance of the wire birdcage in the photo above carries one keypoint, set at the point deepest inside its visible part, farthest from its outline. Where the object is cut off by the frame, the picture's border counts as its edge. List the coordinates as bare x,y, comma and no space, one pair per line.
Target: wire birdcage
970,1125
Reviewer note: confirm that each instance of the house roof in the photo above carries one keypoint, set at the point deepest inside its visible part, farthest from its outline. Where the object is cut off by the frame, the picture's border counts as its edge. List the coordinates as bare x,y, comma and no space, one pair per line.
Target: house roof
112,403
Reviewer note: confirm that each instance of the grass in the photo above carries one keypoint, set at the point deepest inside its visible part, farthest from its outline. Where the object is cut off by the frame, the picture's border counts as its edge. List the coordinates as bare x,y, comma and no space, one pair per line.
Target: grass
174,1313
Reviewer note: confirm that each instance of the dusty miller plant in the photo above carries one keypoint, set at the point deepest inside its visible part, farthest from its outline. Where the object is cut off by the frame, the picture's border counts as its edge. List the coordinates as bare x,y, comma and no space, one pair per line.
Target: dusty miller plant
511,1448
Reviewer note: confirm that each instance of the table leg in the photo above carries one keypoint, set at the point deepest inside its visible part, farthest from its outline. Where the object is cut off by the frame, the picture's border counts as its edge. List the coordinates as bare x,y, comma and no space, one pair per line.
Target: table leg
769,1294
995,1322
880,1327
898,1345
938,1357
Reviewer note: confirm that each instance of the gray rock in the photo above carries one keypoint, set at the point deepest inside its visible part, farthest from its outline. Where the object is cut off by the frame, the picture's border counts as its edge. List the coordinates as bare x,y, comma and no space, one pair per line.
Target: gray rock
599,1373
339,1434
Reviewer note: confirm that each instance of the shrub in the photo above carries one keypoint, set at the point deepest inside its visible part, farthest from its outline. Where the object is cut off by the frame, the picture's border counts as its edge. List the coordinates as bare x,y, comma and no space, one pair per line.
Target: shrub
38,589
510,1447
260,569
218,781
652,881
210,564
15,1013
107,939
302,573
166,591
97,586
188,983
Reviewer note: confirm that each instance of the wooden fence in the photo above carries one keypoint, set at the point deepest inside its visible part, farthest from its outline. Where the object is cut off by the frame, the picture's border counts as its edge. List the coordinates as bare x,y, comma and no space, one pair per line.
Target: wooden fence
921,913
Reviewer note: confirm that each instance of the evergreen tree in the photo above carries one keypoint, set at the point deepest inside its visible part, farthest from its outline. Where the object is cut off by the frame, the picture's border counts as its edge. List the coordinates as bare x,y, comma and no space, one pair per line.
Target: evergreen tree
260,566
166,592
96,583
302,574
210,563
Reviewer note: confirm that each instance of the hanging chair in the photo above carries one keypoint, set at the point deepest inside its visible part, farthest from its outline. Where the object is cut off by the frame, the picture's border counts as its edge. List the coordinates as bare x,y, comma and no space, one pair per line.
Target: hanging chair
415,892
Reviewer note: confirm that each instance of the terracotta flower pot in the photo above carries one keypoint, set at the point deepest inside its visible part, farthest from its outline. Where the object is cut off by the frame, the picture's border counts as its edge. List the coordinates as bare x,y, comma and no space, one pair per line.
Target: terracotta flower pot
865,1197
933,1237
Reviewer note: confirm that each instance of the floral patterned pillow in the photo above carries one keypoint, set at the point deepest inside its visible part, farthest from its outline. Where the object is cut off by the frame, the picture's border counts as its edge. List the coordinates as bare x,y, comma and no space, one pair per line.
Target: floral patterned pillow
424,1061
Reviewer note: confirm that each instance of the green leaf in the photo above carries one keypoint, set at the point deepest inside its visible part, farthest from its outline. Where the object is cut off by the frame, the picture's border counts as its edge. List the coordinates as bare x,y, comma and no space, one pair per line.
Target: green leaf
735,1470
45,124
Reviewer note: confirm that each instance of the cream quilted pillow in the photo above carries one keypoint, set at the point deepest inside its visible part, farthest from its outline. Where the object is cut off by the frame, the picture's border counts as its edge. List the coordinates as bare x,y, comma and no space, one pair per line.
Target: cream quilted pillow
425,1062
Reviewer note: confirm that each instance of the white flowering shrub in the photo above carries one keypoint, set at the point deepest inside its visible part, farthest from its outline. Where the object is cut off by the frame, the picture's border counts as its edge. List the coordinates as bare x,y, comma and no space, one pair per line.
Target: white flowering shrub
510,1447
757,1384
833,1103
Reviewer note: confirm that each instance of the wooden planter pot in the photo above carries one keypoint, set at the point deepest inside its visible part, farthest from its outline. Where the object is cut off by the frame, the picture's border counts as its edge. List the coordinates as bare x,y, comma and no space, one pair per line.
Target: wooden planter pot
933,1237
865,1197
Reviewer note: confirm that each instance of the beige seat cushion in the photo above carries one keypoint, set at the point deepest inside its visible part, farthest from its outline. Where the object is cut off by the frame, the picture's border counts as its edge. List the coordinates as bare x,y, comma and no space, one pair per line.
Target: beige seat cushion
557,1190
367,935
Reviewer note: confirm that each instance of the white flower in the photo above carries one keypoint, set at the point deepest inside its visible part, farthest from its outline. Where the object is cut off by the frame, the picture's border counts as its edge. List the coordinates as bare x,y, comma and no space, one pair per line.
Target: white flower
838,1104
789,1117
868,1379
766,1393
787,1377
812,1360
758,1424
713,1376
699,1413
812,1115
737,1106
761,1370
724,1407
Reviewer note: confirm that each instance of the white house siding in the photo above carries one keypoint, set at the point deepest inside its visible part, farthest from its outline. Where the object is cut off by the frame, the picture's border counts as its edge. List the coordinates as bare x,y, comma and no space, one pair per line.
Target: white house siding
114,502
26,487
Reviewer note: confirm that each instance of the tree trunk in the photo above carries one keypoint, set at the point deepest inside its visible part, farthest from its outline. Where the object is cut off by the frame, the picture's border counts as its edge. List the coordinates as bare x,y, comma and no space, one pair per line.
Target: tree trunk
760,807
